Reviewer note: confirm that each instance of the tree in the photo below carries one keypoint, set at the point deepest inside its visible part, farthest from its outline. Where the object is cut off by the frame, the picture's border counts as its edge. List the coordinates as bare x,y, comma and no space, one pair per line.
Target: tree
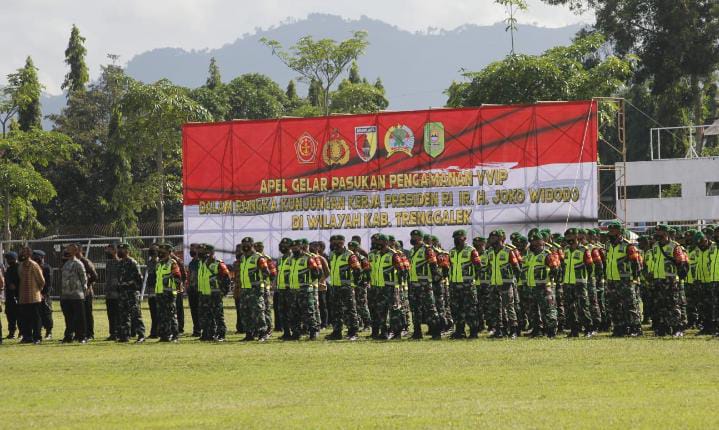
561,73
354,76
378,85
314,93
255,96
291,91
26,95
512,7
23,153
8,109
215,101
358,98
677,44
321,60
214,80
149,128
78,75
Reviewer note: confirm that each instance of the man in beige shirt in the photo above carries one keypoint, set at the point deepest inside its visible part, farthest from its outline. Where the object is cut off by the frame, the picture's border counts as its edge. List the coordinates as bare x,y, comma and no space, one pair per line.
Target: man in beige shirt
29,297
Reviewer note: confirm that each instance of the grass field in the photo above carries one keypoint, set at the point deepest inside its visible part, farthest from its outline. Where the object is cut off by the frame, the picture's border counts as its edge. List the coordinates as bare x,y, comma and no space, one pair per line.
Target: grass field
578,383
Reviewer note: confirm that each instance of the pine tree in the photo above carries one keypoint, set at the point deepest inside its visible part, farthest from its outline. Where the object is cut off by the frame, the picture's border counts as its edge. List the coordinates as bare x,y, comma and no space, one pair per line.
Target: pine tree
314,95
214,79
291,90
26,95
354,73
378,84
78,75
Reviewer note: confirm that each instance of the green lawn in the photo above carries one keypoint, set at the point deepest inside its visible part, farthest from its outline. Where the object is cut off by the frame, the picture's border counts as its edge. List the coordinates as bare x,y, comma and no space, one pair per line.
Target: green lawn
578,383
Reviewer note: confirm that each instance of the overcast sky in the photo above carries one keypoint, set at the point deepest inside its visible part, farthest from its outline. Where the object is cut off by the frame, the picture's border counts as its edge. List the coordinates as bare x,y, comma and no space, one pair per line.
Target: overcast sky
41,28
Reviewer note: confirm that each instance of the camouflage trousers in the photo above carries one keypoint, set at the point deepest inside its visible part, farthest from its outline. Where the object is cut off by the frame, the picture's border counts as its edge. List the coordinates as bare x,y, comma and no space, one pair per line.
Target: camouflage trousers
129,314
694,299
252,310
267,296
518,309
667,304
385,306
212,316
559,299
421,302
362,307
464,303
622,305
647,299
683,304
576,307
284,301
502,313
707,314
344,308
302,312
600,288
594,310
523,315
442,307
167,315
482,305
542,309
404,299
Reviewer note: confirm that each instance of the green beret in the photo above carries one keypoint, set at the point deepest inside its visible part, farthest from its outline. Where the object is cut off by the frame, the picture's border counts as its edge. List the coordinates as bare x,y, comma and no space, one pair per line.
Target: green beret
286,241
304,241
672,230
479,239
247,240
434,238
427,236
207,247
546,231
416,233
123,245
382,237
297,242
515,235
166,247
375,236
459,233
353,243
662,227
535,235
532,231
699,236
494,233
259,244
570,230
390,237
521,238
501,232
339,237
709,230
559,238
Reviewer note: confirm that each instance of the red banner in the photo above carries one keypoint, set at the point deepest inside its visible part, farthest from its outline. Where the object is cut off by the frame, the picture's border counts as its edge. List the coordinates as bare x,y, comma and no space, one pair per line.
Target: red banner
244,160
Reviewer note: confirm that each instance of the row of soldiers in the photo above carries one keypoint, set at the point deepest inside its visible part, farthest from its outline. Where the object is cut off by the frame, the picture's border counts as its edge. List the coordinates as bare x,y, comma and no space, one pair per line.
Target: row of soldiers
582,282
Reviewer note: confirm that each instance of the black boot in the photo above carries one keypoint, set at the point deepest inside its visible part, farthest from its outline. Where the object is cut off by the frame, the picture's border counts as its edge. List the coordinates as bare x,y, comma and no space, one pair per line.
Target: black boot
374,334
352,335
436,332
335,335
473,333
417,335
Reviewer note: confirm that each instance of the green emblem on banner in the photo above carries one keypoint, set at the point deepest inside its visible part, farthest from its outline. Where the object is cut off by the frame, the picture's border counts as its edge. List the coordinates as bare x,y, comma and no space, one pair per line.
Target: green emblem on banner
434,138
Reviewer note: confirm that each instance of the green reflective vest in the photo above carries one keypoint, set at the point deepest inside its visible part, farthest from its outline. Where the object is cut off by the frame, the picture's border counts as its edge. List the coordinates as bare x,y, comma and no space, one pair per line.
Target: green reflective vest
462,269
500,270
250,273
663,261
705,262
575,271
207,278
419,266
300,275
693,257
283,272
163,278
383,271
618,266
340,270
535,268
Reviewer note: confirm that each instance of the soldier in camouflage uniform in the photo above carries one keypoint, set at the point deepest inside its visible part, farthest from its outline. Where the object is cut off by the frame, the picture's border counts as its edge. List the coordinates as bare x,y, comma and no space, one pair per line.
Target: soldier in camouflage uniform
578,263
267,292
670,266
599,257
129,284
213,283
305,269
386,266
251,272
692,285
592,296
482,283
555,242
167,283
365,319
440,288
704,281
503,263
520,244
317,251
403,287
622,268
645,286
423,270
282,283
465,263
345,274
539,263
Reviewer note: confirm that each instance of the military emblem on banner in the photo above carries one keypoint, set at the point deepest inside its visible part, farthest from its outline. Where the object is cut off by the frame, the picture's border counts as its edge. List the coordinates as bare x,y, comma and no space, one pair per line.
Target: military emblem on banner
399,138
366,142
336,151
434,138
306,148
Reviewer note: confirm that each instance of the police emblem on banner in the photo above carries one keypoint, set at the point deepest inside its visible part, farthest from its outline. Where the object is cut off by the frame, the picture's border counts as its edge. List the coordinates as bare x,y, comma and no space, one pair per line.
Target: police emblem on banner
399,138
366,142
434,138
306,148
336,151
